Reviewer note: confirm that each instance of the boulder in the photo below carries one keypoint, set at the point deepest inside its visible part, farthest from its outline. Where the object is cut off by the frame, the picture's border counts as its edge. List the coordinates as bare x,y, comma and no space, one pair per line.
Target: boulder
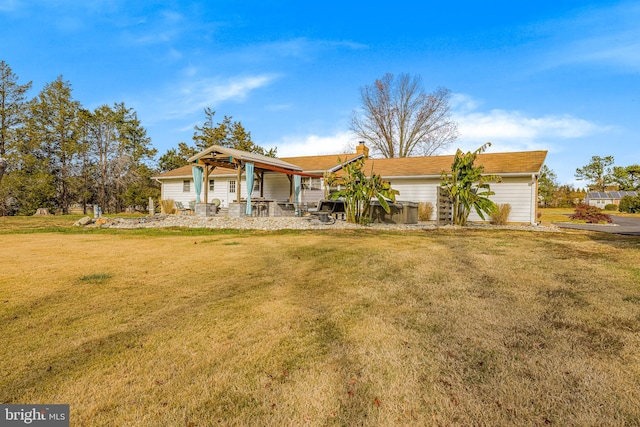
85,220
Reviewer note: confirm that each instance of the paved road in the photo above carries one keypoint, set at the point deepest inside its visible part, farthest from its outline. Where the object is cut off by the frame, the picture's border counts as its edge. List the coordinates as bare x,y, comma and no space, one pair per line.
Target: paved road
625,225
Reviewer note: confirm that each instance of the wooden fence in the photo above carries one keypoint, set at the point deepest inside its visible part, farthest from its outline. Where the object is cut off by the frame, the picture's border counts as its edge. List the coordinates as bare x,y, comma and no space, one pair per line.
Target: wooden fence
445,209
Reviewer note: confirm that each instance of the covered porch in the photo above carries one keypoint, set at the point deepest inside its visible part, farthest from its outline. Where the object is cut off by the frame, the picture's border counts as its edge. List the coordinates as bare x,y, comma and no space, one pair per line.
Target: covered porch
254,166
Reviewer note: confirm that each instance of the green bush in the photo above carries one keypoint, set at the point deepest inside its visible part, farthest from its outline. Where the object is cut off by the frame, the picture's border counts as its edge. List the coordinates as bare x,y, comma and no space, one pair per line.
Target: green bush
590,214
629,204
501,215
611,207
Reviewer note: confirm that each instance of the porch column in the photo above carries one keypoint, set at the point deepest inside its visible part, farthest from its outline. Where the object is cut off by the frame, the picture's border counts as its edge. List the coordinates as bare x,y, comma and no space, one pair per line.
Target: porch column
238,183
206,183
262,184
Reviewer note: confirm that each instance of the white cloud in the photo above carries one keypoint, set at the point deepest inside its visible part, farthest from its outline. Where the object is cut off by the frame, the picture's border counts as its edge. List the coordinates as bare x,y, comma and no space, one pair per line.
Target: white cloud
621,50
506,130
314,145
463,103
515,131
194,95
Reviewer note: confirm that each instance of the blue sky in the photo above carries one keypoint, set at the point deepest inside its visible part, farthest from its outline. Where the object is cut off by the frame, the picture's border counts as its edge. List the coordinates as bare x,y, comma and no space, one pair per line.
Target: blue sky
562,76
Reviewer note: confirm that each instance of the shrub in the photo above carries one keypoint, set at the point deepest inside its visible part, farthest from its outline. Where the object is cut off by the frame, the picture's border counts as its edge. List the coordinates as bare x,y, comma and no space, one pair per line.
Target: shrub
167,206
611,207
501,214
590,214
629,204
425,211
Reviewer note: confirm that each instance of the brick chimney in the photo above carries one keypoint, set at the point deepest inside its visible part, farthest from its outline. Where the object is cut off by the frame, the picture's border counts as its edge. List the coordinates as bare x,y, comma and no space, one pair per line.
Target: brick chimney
362,149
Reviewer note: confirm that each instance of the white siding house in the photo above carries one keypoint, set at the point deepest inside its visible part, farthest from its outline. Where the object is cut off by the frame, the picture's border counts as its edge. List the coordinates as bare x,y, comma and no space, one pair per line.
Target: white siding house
604,198
416,178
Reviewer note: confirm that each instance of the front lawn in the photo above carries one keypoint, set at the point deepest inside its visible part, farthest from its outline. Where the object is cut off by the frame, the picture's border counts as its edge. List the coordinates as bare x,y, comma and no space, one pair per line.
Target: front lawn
448,327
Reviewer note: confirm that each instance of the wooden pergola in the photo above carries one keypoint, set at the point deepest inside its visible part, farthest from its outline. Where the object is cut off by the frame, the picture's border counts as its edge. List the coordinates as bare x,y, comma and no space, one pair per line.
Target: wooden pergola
217,156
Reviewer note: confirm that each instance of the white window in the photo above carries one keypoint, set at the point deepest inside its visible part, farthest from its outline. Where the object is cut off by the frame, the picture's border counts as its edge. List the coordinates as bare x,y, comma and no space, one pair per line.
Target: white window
186,186
309,183
211,185
256,186
232,186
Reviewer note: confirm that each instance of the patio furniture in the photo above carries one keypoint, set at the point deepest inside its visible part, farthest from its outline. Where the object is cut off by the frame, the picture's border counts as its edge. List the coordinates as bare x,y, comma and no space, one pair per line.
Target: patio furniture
216,203
334,208
181,209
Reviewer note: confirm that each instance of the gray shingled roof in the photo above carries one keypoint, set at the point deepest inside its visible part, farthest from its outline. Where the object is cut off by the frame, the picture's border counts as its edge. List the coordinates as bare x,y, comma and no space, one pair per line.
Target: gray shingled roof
610,194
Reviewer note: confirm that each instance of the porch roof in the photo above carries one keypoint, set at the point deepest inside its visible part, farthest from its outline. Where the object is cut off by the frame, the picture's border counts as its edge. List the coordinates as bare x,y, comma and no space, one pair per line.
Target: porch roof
230,158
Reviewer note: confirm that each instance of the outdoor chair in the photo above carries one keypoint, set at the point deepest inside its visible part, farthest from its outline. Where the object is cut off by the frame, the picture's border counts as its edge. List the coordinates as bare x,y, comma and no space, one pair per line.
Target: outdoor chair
180,207
216,203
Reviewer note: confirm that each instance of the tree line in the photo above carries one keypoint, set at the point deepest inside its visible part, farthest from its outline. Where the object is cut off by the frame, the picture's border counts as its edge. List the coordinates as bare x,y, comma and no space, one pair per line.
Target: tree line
54,153
600,174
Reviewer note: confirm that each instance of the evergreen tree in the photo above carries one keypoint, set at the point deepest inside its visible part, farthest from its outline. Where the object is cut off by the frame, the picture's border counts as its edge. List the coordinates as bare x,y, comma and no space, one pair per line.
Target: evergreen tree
597,173
547,185
29,185
226,134
13,106
54,124
627,178
176,158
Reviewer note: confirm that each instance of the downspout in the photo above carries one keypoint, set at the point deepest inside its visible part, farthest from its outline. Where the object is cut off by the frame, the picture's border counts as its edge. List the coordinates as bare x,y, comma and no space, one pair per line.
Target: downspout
534,199
161,186
239,183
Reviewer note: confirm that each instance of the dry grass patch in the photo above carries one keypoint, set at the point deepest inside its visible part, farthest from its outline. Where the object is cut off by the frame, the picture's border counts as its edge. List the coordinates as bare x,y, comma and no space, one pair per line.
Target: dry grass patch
455,327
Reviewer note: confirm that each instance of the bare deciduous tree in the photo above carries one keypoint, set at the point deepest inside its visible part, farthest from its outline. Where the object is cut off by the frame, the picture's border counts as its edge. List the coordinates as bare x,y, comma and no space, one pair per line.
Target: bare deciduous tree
399,119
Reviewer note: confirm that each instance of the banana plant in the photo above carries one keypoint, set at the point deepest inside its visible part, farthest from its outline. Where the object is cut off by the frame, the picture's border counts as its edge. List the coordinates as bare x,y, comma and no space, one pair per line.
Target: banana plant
358,191
467,187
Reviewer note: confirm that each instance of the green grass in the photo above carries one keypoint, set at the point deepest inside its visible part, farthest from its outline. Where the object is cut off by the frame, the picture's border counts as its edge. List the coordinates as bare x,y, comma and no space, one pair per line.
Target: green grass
96,278
198,328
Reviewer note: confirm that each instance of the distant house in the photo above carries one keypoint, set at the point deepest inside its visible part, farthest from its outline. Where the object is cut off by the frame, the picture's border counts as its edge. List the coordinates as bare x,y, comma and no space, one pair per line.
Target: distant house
416,178
603,198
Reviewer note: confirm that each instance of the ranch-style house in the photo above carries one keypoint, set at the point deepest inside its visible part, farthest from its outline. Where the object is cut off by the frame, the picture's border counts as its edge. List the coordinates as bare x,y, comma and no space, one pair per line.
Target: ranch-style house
221,173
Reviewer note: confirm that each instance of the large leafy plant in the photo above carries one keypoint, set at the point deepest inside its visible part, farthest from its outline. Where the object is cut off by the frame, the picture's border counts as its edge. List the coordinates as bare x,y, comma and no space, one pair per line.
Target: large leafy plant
358,191
467,187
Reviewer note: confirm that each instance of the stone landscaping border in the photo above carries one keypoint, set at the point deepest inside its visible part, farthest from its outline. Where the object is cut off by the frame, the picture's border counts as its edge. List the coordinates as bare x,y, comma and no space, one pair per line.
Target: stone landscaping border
275,223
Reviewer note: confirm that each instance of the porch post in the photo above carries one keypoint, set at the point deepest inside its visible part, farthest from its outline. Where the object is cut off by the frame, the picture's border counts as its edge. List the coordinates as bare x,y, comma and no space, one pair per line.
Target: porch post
206,184
238,183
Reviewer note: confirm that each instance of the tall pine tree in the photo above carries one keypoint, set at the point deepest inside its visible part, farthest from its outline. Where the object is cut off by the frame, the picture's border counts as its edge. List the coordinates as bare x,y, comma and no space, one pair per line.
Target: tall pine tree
12,110
54,122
